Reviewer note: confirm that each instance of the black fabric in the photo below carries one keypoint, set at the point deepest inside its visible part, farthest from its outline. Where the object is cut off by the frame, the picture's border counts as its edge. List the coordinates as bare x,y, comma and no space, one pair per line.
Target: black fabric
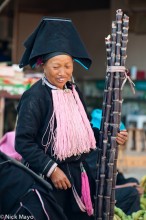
66,199
11,184
92,158
122,180
54,35
16,163
128,199
17,186
34,112
33,207
50,55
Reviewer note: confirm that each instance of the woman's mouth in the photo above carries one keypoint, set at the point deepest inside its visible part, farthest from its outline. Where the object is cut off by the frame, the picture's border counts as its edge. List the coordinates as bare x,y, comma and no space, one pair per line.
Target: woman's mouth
60,79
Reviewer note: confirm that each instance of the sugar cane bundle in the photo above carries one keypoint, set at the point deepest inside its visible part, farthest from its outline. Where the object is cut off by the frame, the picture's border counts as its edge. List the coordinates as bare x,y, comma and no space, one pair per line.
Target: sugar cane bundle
116,76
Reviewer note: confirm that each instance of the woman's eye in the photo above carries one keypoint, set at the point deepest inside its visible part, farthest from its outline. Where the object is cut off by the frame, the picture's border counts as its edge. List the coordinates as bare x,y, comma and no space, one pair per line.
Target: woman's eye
68,67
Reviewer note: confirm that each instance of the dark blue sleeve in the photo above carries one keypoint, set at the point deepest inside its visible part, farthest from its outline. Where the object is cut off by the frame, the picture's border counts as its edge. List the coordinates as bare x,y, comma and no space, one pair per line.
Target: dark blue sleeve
30,117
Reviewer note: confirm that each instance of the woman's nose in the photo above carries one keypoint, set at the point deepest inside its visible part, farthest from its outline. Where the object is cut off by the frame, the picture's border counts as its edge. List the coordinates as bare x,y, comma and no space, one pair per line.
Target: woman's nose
61,72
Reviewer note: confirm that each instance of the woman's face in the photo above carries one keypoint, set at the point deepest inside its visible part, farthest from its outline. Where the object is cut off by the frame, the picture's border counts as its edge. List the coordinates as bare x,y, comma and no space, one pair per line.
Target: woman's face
58,70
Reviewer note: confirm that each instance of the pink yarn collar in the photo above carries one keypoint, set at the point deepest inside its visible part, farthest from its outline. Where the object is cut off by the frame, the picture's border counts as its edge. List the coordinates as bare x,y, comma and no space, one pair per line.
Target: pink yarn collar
73,134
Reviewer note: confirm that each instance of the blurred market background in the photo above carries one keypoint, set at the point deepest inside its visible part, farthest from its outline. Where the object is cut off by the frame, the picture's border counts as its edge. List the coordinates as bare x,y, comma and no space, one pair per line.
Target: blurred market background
93,21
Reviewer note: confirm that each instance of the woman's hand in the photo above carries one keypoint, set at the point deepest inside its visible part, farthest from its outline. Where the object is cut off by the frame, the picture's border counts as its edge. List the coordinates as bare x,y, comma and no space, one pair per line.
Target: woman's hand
59,179
126,185
140,189
122,137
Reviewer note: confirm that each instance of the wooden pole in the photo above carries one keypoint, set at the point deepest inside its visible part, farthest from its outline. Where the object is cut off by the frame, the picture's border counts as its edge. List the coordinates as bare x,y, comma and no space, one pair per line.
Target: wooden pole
15,32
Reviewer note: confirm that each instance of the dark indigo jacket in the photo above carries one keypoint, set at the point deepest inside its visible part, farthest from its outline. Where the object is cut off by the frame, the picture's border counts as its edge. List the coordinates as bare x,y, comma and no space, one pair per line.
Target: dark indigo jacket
34,112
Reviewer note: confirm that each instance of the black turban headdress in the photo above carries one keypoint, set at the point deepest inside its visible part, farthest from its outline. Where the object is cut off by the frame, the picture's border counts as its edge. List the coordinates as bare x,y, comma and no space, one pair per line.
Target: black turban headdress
54,35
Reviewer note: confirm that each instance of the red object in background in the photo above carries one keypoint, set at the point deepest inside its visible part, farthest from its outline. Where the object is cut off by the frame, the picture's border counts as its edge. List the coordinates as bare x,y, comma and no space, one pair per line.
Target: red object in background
128,73
141,74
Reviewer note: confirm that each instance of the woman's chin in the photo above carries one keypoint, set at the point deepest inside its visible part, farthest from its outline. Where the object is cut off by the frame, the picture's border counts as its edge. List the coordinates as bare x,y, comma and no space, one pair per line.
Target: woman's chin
60,85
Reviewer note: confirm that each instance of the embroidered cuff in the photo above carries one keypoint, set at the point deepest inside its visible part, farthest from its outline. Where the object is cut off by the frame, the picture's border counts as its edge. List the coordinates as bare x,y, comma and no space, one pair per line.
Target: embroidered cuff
48,165
51,169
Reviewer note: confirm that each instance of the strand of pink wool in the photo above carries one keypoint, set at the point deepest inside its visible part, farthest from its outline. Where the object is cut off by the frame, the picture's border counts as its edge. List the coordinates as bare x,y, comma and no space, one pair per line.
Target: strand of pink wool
75,133
51,135
86,198
42,203
78,200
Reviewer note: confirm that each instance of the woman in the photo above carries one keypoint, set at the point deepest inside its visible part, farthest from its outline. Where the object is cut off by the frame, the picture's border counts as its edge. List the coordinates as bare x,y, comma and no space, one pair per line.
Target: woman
53,133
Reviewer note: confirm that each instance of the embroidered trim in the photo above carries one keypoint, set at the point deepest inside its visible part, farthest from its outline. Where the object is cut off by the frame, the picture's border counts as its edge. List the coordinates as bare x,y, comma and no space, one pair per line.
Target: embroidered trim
47,165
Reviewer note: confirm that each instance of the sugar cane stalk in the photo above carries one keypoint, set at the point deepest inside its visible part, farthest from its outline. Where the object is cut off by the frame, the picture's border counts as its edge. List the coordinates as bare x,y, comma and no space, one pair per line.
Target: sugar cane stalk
111,117
116,108
101,154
